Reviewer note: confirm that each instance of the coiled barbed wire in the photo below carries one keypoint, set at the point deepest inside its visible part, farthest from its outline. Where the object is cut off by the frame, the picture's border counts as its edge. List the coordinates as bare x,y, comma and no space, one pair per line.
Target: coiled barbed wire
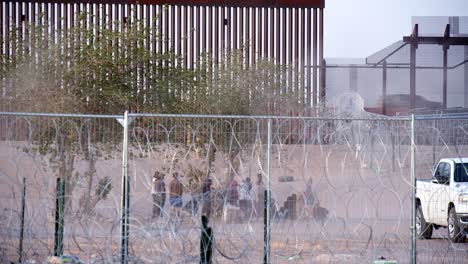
359,171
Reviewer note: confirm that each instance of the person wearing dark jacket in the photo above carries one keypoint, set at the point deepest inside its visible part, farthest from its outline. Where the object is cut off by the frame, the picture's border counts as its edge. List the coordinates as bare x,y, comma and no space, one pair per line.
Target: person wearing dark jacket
206,196
158,191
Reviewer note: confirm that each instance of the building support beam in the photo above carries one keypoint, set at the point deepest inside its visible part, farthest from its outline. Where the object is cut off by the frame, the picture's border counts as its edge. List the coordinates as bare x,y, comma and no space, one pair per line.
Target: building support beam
322,92
444,85
414,46
384,88
465,68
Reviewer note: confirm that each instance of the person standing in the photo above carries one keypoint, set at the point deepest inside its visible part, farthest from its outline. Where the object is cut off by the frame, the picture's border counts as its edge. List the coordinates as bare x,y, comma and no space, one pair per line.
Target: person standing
158,191
233,193
206,209
245,198
260,193
159,195
309,198
176,192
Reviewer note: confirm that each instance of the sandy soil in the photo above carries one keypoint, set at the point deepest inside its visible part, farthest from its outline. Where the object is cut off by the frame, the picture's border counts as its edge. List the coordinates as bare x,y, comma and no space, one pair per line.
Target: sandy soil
367,195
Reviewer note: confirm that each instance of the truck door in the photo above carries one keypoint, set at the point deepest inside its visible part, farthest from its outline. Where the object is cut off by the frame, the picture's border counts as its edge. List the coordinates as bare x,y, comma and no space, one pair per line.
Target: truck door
442,193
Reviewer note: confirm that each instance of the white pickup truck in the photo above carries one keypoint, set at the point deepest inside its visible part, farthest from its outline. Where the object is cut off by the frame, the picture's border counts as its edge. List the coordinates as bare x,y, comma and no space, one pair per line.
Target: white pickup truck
443,200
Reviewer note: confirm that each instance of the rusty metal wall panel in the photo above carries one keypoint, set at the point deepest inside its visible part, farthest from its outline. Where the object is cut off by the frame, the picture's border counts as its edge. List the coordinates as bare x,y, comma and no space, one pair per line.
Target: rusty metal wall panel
185,36
247,40
98,16
308,59
234,30
166,33
20,26
192,36
228,25
147,22
315,91
110,21
4,105
210,30
284,37
116,14
154,33
179,30
2,49
90,21
172,29
321,95
265,34
259,37
272,34
282,31
103,17
15,24
160,26
148,91
290,36
204,29
222,3
33,13
216,35
296,37
302,67
253,36
278,36
27,28
223,31
198,32
241,28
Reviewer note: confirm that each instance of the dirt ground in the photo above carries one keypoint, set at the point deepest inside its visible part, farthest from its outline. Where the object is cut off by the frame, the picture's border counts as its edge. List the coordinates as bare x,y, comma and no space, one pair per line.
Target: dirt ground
367,196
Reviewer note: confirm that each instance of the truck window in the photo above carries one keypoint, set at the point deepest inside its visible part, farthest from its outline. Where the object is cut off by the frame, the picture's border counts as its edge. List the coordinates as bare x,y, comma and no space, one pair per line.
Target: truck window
440,169
446,170
443,173
461,172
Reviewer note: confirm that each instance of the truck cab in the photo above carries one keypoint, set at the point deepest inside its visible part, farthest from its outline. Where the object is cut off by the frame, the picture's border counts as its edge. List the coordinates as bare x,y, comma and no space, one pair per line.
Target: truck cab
442,201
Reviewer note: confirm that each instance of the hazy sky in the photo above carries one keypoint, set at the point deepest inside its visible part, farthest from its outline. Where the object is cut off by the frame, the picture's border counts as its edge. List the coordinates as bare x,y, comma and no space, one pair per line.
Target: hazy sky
366,26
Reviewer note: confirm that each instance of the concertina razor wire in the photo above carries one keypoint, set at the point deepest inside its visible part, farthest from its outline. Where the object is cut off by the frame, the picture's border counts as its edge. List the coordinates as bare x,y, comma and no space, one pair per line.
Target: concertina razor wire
340,187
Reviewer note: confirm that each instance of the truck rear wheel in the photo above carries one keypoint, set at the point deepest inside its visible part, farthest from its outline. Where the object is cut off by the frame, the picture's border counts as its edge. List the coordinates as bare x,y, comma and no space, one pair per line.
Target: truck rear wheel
455,233
423,229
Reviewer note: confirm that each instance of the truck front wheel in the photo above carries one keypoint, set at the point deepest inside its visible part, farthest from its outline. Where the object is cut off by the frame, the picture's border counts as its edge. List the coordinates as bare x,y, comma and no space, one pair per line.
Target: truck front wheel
423,229
454,231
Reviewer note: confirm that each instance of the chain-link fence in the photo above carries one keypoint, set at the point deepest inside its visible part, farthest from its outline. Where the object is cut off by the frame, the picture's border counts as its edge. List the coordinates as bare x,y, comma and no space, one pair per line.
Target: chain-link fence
341,189
443,140
69,165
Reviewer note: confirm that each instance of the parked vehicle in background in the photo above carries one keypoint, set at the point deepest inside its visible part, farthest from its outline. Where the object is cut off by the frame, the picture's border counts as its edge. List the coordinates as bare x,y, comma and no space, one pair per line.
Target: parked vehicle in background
443,200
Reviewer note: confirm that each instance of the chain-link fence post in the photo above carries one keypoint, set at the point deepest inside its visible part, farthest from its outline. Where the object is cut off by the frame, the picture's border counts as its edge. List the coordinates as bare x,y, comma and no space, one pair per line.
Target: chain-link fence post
413,193
267,204
23,208
125,194
59,217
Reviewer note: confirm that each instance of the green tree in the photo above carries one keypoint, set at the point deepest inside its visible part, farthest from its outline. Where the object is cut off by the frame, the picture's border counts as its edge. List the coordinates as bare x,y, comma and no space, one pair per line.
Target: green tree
98,70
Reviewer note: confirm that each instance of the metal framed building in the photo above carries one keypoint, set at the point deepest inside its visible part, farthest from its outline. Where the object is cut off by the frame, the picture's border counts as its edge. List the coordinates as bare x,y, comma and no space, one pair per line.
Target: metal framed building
425,70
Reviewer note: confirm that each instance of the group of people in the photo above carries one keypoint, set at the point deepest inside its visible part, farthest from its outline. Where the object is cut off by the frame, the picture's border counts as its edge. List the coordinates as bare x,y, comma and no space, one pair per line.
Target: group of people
245,196
158,192
176,191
